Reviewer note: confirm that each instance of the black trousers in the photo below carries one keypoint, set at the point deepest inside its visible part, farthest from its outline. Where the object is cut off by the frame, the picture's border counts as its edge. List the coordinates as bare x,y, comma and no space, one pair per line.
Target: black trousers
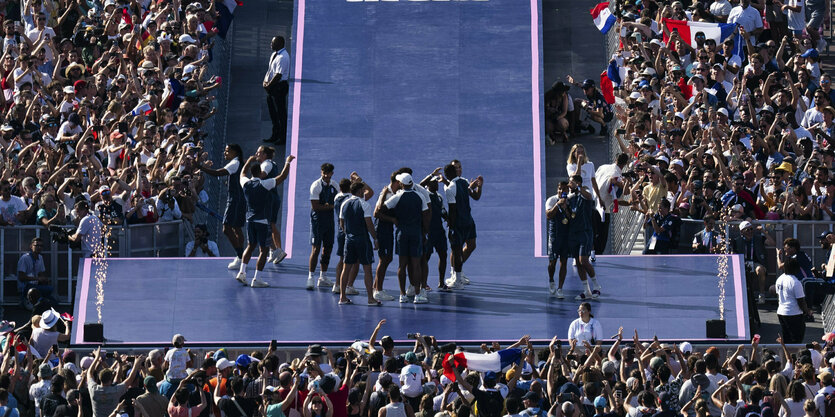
794,328
601,231
277,105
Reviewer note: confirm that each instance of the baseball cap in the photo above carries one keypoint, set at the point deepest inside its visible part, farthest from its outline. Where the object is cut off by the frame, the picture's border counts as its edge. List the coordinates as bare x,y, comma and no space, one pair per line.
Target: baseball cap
745,224
810,53
588,83
410,356
243,360
600,402
530,395
490,376
685,347
405,179
223,363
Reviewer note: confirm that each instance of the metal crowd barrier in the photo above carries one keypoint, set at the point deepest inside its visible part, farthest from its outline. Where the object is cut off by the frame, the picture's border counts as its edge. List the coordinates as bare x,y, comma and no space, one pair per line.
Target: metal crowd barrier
805,231
164,239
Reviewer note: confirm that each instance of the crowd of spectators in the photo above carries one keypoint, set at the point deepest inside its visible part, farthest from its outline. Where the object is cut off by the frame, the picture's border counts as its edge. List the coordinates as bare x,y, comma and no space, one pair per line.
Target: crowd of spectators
372,378
104,102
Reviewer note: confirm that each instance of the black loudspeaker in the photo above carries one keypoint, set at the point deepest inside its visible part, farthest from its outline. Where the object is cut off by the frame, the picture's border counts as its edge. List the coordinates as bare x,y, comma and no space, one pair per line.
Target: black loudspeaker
714,329
94,332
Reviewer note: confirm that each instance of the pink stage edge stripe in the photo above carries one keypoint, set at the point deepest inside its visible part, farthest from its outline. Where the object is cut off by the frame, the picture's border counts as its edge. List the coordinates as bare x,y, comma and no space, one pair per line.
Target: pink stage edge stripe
537,138
294,132
81,317
739,295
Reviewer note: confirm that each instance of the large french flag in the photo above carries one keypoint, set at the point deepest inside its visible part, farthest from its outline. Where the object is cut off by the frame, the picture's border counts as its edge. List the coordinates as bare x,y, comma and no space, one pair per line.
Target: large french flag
603,17
482,362
688,30
226,11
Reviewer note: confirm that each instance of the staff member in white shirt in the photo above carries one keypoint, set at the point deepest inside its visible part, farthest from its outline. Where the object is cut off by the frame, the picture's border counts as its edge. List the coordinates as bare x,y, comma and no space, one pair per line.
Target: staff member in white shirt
88,232
275,82
792,303
586,328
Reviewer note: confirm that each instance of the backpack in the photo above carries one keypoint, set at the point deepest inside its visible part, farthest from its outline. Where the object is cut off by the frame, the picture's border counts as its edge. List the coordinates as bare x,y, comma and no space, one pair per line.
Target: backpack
829,405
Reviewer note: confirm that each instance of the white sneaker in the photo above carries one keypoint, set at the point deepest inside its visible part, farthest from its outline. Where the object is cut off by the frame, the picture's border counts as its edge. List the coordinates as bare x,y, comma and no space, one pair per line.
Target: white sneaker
335,289
410,292
257,283
404,299
574,262
324,282
458,283
583,296
464,279
383,296
351,290
310,284
421,299
241,277
552,287
235,264
280,257
560,295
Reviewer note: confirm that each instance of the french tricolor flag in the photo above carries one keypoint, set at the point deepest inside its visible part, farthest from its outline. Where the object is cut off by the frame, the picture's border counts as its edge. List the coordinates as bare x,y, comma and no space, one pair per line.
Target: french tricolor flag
226,12
482,362
603,17
689,29
143,108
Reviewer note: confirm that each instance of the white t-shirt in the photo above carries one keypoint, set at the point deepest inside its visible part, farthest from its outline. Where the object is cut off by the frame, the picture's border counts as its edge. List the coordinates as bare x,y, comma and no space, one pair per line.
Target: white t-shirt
410,380
789,289
199,253
33,34
796,20
8,209
729,410
796,408
585,331
177,359
90,230
586,171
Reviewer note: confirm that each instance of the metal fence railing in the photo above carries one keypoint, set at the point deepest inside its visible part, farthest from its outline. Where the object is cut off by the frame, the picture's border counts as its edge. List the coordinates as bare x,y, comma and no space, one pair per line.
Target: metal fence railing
625,224
806,232
215,126
165,239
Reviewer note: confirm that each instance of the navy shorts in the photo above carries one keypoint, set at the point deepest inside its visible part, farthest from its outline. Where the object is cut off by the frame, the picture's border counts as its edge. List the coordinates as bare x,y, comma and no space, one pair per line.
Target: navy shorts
358,251
459,235
557,248
275,209
385,242
235,213
259,234
581,246
321,233
409,244
340,243
436,242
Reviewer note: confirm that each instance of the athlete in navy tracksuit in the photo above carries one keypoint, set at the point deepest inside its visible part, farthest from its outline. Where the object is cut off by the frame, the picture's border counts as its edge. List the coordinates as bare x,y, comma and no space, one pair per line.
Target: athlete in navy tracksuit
558,214
409,210
234,215
269,169
322,229
385,239
355,219
462,231
436,238
344,194
258,196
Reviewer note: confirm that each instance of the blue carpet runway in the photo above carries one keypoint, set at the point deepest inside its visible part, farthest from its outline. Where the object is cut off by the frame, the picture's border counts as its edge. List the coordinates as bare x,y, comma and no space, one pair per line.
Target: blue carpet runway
381,85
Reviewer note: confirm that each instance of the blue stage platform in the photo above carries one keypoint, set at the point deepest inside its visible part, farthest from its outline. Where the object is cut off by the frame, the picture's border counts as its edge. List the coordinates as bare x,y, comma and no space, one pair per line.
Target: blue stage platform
667,296
381,85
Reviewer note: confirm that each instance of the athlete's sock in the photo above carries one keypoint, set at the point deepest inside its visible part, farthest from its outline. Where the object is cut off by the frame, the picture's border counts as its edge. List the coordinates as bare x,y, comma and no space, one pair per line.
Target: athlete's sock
586,284
594,281
239,252
322,275
243,268
256,274
310,275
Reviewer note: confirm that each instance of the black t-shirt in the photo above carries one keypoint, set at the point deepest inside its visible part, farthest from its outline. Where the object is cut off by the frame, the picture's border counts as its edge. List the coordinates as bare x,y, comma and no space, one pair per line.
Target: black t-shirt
50,403
490,403
227,405
194,400
66,411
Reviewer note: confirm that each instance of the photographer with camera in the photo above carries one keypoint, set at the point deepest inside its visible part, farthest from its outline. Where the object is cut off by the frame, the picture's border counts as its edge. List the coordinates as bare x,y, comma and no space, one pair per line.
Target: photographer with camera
201,246
31,272
167,206
89,232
